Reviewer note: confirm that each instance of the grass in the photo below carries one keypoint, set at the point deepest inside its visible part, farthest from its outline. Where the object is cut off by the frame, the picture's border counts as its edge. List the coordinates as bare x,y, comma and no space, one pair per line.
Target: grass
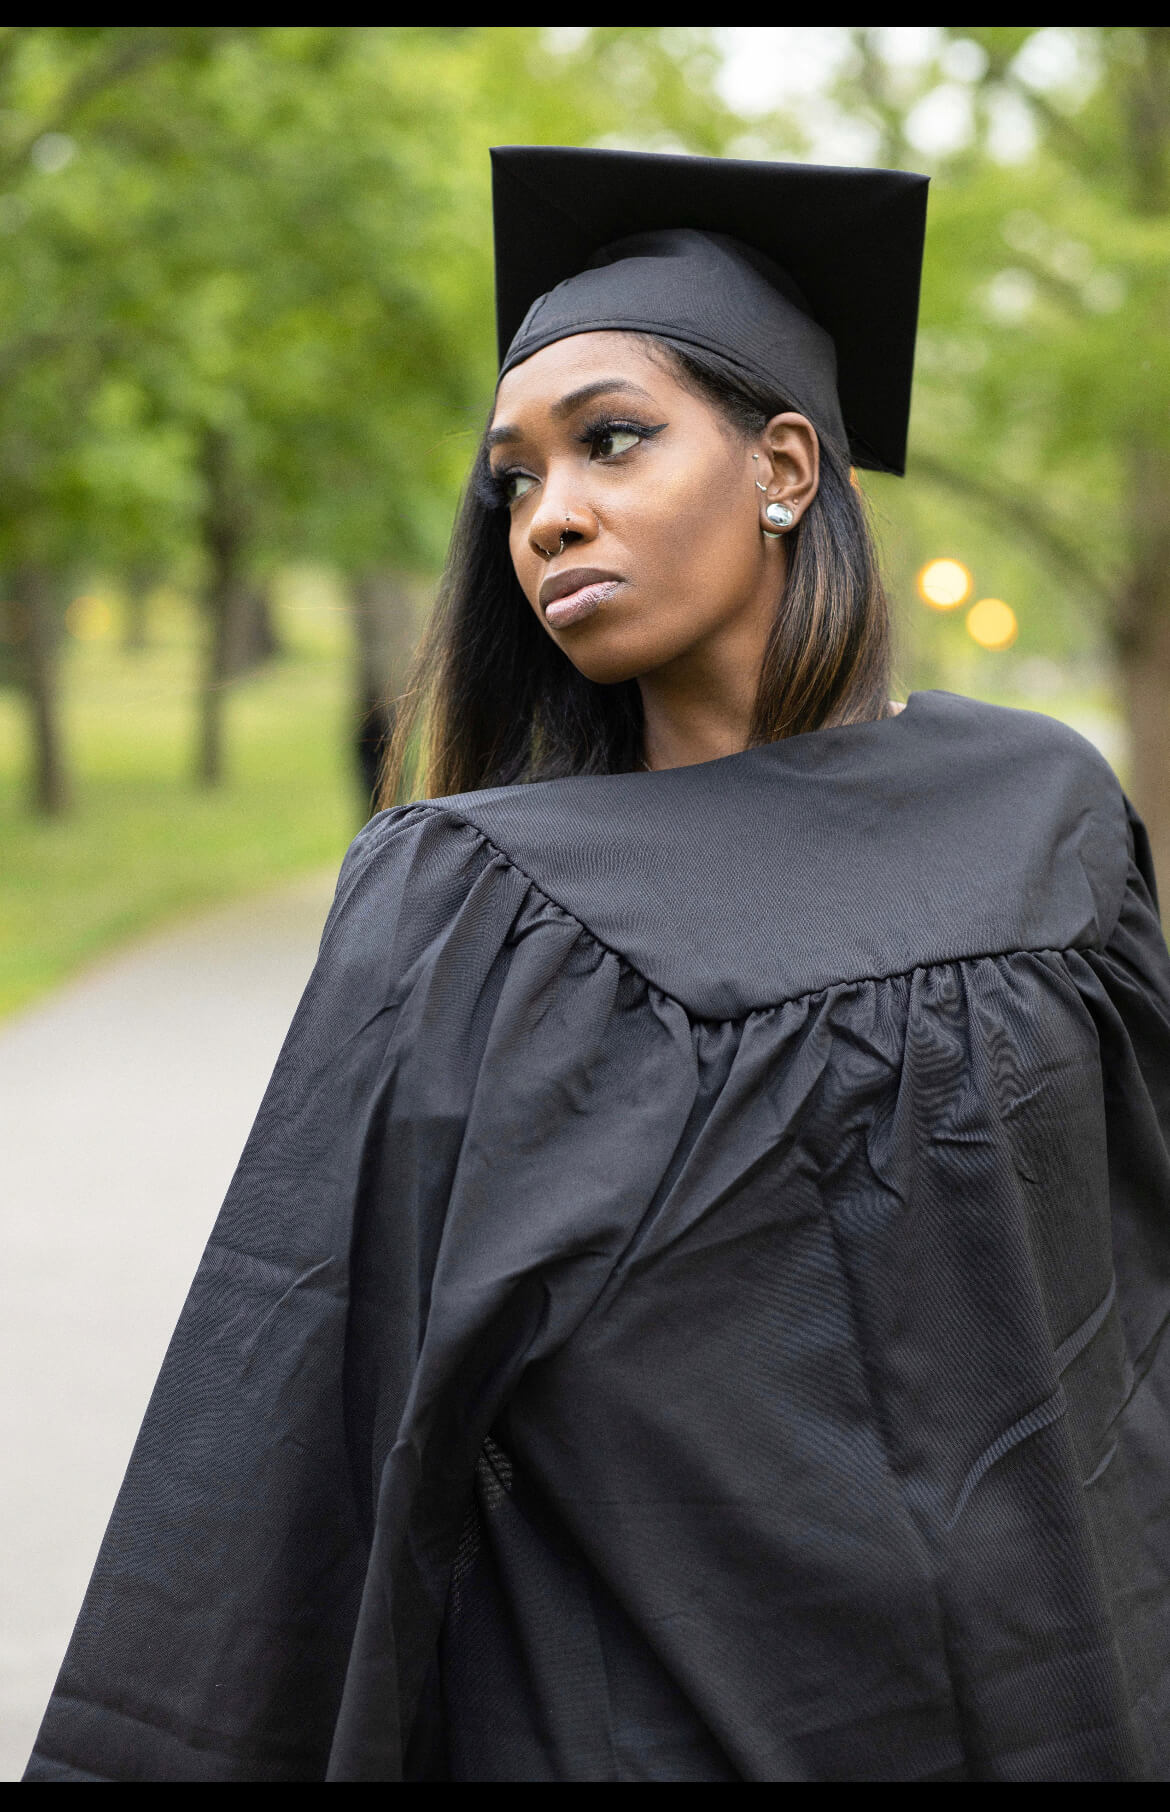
141,842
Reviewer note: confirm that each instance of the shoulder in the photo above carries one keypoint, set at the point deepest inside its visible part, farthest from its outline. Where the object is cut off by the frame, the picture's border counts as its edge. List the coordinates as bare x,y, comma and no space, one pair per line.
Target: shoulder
1025,776
390,850
992,732
954,829
1028,801
394,840
406,876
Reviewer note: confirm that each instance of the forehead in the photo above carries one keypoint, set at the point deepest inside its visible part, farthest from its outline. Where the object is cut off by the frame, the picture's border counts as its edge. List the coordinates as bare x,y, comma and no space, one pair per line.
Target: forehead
569,364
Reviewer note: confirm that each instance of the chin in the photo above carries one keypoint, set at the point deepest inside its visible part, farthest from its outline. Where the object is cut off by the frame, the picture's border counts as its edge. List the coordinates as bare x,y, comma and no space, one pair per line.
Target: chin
610,659
604,672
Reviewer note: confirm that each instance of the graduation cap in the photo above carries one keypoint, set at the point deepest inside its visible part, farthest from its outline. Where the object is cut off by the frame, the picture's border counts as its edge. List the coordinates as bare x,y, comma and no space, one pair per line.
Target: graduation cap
801,276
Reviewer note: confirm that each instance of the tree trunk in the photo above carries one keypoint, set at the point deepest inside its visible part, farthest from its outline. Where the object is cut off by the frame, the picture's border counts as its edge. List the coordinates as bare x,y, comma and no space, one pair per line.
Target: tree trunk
253,632
224,533
1143,619
1144,650
1146,685
210,760
136,636
385,633
37,632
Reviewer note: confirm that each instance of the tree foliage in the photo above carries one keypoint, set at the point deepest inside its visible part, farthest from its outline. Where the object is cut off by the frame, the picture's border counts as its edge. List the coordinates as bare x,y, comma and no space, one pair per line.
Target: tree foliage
1044,392
246,316
246,309
1040,439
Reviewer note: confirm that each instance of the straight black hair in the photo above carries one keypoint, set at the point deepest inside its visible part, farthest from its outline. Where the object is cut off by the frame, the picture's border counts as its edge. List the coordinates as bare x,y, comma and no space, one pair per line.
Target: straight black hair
493,701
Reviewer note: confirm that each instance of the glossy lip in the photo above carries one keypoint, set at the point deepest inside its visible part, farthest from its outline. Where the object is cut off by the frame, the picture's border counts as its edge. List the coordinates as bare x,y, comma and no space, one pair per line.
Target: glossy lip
570,596
575,578
579,604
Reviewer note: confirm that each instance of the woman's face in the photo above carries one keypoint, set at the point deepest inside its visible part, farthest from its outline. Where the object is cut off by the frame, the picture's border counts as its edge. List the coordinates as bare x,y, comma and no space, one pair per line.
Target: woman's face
635,514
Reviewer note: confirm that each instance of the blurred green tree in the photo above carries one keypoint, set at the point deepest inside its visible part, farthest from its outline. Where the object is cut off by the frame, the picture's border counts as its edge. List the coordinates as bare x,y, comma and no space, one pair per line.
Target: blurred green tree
1043,385
248,309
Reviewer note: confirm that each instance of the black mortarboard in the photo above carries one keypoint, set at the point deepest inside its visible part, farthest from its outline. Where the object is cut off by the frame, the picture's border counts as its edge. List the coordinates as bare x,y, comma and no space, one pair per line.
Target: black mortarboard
773,267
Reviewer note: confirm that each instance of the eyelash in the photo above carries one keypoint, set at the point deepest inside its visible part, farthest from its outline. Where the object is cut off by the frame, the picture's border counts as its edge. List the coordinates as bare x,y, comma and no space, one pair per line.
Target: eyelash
492,485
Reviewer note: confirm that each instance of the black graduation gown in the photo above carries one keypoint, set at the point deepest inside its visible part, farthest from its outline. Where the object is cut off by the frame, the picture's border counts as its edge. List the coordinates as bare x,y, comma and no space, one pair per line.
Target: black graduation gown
691,1306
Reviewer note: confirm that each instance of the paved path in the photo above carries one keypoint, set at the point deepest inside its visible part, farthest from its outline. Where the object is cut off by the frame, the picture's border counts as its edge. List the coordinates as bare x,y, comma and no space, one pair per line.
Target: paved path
124,1104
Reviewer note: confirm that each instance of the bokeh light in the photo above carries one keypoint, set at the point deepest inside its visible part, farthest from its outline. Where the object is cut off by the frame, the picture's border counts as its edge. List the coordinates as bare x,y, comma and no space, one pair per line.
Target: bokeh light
90,618
944,584
992,623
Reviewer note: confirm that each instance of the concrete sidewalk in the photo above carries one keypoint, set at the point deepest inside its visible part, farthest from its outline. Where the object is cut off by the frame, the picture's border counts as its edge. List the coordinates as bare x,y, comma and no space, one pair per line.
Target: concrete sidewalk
124,1103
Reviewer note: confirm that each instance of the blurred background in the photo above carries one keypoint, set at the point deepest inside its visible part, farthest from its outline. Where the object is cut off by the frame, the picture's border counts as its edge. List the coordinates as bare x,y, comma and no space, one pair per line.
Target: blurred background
246,348
246,344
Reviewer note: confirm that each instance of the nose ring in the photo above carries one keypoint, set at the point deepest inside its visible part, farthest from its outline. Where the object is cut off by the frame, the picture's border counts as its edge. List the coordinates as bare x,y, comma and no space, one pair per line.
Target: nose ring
560,548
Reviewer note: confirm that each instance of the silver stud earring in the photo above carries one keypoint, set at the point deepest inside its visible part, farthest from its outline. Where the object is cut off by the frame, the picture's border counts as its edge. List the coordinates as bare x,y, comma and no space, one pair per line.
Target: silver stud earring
779,515
759,486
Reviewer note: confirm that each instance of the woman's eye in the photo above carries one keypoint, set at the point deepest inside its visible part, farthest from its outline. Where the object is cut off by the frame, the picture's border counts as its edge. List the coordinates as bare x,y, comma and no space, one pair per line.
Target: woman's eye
516,485
612,441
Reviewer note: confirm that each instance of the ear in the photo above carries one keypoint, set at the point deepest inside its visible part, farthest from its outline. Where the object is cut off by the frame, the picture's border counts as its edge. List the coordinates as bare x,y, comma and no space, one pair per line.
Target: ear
789,462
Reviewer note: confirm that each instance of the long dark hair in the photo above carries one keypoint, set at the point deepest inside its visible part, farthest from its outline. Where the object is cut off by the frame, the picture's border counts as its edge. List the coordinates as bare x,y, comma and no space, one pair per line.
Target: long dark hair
493,701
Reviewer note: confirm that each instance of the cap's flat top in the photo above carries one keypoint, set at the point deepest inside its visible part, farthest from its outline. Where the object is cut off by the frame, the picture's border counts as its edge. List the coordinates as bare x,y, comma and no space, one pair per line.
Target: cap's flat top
850,239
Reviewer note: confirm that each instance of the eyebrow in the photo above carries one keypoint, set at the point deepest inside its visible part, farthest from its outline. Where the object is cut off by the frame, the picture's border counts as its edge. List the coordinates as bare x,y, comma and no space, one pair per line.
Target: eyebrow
599,387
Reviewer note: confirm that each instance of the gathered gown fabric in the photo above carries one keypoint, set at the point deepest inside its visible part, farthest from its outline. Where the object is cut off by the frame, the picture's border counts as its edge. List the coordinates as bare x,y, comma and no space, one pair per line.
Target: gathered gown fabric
692,1303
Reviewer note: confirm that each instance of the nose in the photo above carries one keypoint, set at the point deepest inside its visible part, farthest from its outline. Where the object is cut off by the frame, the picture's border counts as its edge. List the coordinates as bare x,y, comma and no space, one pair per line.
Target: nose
557,524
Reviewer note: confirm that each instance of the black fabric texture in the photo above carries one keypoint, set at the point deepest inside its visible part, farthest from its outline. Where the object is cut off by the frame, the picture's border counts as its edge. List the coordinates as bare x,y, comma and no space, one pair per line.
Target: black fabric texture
691,1306
801,276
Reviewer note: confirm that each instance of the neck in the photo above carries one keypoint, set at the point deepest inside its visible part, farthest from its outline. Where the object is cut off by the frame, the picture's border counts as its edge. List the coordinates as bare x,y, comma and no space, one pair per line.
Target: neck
698,714
700,705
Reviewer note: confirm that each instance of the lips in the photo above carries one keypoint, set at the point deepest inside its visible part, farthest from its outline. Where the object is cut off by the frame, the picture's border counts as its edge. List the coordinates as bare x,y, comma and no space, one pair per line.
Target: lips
572,595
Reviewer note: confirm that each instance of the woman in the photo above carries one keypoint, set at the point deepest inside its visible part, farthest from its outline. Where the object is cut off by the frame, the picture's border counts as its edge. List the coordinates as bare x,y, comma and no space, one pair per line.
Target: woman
690,1307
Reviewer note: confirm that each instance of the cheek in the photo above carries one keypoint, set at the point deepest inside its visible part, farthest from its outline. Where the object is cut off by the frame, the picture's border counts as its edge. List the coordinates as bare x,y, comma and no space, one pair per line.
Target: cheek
699,536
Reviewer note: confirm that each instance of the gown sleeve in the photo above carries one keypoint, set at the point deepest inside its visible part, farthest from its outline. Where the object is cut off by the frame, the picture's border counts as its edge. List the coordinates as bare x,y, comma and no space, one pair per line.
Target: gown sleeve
1126,987
268,1595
